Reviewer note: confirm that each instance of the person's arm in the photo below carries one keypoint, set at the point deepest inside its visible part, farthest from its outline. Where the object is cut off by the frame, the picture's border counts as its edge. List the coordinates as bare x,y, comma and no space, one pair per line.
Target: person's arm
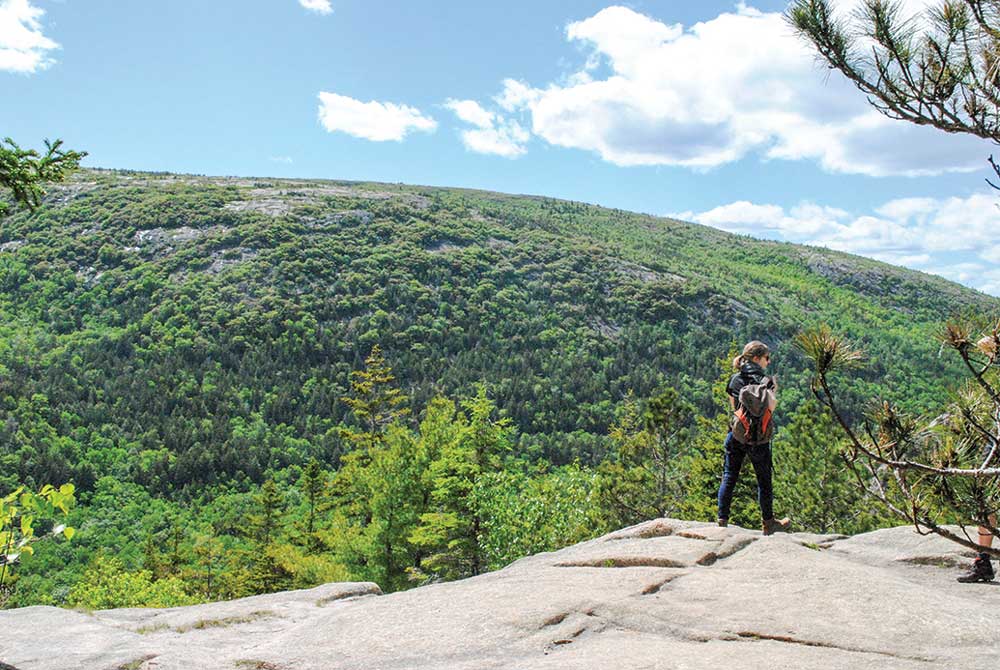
730,391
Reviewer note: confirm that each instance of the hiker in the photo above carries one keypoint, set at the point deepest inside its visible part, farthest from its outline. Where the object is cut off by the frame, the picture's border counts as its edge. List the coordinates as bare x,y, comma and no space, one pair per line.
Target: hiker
752,396
982,568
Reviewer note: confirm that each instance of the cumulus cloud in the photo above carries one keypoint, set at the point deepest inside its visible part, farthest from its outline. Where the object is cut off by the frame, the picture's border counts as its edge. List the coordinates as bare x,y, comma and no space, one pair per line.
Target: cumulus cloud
655,93
23,47
516,95
318,6
375,121
492,134
471,111
748,218
953,237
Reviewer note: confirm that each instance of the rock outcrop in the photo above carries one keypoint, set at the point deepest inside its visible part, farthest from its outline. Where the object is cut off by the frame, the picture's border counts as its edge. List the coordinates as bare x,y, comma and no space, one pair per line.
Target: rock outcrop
662,594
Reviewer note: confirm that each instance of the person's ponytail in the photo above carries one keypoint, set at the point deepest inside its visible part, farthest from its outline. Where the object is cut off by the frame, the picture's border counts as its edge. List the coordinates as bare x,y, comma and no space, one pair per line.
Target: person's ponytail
751,351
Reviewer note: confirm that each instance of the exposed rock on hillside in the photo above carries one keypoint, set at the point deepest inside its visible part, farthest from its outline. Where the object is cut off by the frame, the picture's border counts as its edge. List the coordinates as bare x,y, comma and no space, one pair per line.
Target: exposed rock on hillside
663,594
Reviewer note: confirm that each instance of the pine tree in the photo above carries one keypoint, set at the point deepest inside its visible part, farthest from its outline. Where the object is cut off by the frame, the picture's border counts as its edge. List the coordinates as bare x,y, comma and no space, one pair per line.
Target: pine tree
151,557
265,524
264,528
24,171
811,480
441,430
312,483
175,536
644,479
375,402
360,538
451,532
938,69
207,551
393,477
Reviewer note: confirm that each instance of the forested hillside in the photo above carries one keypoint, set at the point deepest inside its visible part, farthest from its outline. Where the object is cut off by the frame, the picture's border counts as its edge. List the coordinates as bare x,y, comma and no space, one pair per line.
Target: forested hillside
170,343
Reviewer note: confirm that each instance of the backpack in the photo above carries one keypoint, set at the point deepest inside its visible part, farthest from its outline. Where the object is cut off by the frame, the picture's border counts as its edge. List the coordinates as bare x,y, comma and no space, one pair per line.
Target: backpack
752,424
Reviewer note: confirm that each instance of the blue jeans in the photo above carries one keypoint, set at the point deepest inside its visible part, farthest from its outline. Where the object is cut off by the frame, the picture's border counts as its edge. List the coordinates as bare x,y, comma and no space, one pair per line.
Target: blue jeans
760,458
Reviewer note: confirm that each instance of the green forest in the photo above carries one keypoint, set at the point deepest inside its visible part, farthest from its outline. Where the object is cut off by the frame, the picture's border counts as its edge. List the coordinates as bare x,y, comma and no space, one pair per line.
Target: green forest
256,385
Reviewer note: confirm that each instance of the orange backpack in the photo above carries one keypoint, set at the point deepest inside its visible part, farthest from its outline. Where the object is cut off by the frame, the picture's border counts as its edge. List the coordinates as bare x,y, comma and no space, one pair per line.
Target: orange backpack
752,424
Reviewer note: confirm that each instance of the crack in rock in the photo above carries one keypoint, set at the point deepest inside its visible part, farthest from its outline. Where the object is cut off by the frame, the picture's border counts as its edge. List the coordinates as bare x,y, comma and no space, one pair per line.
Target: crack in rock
643,531
555,620
656,586
827,645
733,545
694,536
367,590
572,637
729,547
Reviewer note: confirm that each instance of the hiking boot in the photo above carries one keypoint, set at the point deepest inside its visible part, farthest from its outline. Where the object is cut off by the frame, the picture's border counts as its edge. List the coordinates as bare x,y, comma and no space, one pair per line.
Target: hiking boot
723,522
772,526
981,571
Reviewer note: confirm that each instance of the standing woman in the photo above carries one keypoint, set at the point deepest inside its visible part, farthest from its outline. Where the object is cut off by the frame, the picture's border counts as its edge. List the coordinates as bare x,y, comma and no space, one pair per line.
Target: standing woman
754,413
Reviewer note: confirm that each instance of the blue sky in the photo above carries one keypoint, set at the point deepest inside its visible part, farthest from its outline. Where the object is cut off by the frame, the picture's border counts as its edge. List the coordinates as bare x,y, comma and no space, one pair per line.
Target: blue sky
710,111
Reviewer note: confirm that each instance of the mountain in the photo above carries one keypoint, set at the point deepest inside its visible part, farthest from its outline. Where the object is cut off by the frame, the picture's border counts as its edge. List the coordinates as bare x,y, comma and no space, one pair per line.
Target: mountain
183,331
663,594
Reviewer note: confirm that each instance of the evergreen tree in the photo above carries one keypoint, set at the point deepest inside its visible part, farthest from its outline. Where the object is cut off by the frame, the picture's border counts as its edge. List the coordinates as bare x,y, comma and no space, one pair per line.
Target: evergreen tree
151,562
451,532
938,69
364,543
812,482
266,522
24,171
312,484
175,536
207,552
264,527
393,481
644,479
375,402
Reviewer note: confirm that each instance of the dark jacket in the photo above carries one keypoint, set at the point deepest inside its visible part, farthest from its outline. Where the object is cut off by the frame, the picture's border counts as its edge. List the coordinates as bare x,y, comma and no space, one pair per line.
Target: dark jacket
750,373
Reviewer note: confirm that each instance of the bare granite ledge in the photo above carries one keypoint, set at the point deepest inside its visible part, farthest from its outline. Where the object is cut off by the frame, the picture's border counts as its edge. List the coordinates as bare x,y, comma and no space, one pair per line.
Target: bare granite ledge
663,594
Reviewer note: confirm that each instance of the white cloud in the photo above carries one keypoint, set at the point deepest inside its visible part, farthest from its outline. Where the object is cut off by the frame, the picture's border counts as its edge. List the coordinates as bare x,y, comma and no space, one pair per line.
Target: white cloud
23,47
954,237
714,92
516,95
748,218
470,111
287,160
507,140
989,281
375,121
493,133
991,254
318,6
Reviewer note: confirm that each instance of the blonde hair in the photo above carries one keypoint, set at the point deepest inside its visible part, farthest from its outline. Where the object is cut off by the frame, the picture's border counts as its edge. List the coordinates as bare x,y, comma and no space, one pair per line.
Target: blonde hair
751,351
